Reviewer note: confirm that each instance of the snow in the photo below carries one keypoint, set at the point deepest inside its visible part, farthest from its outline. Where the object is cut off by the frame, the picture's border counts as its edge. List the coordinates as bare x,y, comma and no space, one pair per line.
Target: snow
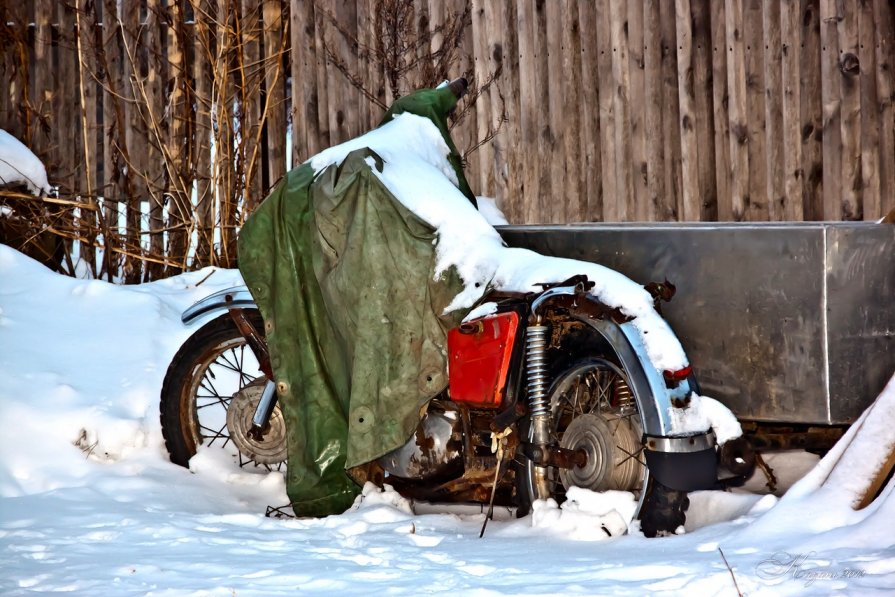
417,172
89,503
19,165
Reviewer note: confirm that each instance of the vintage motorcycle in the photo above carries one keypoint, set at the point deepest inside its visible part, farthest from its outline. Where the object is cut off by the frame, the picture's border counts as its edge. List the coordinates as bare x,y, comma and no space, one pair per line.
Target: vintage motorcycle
550,390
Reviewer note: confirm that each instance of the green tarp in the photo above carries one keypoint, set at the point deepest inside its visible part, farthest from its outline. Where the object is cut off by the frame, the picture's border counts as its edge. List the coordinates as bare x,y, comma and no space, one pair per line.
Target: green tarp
342,273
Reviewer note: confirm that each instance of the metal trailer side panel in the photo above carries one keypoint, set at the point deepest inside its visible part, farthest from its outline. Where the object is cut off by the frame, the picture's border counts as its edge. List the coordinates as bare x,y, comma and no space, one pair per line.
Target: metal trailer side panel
782,322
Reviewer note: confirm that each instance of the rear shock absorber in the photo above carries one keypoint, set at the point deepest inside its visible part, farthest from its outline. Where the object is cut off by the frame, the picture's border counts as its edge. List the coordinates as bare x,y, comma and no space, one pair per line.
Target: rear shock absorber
536,339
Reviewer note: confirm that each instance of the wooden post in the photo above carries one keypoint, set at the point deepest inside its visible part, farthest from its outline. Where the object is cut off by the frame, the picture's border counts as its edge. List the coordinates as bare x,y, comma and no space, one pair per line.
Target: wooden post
621,99
705,124
671,136
249,85
179,182
305,126
529,113
274,81
637,112
606,85
739,129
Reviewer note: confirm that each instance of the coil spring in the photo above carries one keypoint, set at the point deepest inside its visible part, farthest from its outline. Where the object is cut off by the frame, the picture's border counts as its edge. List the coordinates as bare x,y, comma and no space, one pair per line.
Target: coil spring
536,365
624,397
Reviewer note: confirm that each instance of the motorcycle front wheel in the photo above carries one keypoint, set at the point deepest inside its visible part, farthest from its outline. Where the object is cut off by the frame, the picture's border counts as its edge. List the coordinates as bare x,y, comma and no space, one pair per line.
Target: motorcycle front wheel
209,396
594,412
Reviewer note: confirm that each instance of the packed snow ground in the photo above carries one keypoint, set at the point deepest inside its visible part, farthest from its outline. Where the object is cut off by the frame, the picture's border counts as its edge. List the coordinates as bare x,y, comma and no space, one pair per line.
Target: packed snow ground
90,504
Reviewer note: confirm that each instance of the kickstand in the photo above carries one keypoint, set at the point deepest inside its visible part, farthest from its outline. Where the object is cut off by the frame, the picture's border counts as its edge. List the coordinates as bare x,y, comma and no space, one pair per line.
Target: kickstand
498,445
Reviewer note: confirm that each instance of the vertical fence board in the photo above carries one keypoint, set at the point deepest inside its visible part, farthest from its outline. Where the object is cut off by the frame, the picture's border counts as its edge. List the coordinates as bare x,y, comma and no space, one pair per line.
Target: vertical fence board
687,101
670,113
812,111
618,32
41,141
274,82
705,141
721,118
557,204
607,86
574,180
869,121
323,105
529,114
774,160
591,146
884,15
250,77
637,109
790,136
832,105
757,205
738,117
657,198
202,75
850,111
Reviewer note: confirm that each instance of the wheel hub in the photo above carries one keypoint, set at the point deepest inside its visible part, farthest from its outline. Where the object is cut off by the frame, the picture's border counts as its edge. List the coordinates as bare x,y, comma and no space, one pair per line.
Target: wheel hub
612,445
271,449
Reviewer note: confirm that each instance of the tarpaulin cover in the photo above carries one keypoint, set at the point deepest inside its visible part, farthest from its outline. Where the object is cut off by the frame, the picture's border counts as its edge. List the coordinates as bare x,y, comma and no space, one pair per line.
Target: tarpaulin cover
342,273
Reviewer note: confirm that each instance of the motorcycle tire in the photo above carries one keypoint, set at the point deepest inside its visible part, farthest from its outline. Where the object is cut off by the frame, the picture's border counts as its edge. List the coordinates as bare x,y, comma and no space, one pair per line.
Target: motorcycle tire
211,368
606,425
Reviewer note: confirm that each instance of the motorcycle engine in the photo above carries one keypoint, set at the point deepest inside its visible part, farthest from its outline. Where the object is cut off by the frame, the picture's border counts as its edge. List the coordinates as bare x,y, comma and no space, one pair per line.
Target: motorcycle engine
434,450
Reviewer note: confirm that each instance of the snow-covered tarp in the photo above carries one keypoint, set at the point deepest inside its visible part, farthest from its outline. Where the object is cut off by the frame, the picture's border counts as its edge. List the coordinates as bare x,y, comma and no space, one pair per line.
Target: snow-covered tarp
89,503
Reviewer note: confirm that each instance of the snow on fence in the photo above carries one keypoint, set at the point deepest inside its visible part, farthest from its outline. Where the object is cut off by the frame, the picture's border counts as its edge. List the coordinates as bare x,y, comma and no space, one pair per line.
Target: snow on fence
165,122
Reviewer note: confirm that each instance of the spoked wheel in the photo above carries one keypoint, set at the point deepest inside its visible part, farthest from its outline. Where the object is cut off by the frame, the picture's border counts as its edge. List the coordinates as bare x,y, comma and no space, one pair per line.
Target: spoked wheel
210,394
595,414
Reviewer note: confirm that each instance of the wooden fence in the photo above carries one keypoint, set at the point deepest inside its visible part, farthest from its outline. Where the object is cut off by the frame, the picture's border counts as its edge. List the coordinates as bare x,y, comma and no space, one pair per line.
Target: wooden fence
165,122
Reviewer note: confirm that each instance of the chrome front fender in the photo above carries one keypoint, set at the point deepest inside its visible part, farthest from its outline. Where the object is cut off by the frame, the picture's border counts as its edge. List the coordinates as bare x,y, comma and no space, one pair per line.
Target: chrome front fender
237,297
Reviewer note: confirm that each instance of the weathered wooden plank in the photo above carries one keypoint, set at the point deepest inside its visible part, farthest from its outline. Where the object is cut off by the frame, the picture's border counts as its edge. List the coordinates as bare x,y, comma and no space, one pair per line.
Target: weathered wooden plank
773,57
705,140
790,136
68,110
591,141
156,126
495,33
41,141
607,89
811,110
180,182
134,141
574,180
656,201
342,94
327,137
557,205
637,111
201,148
870,134
671,208
515,197
721,165
250,76
884,15
737,114
621,99
850,111
757,205
484,156
275,81
85,25
690,195
467,129
529,115
832,105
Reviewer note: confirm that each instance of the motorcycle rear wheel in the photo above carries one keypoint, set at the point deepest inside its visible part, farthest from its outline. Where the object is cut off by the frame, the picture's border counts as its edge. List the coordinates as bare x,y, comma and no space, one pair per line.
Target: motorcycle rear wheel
594,412
213,373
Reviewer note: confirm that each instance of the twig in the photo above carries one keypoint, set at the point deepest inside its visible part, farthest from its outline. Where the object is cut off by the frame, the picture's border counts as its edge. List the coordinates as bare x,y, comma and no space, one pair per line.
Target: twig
726,563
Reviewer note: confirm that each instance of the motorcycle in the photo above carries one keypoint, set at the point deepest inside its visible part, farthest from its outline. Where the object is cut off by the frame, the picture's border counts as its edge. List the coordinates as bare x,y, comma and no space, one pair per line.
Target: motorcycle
546,391
550,390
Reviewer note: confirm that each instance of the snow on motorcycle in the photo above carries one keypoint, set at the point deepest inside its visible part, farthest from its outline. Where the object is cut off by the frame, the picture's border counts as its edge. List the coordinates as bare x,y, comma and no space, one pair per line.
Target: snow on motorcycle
561,374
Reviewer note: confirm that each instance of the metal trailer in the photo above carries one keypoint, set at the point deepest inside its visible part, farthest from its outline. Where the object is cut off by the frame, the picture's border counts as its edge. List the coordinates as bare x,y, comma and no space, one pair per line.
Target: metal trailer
789,323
